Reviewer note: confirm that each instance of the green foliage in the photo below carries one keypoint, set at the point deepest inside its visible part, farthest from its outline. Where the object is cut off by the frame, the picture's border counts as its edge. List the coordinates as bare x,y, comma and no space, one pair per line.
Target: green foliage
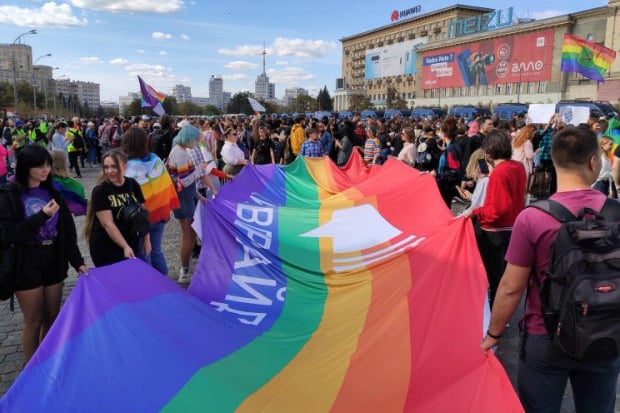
190,108
239,104
305,103
211,110
171,106
394,100
134,108
324,100
359,102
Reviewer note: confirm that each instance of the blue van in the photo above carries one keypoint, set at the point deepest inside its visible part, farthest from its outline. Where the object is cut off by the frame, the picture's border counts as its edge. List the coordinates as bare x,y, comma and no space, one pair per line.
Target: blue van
345,114
368,113
507,111
390,113
469,112
427,112
598,108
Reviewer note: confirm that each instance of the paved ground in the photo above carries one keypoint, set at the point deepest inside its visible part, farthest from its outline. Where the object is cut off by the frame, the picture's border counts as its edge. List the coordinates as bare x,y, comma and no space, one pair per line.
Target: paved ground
11,356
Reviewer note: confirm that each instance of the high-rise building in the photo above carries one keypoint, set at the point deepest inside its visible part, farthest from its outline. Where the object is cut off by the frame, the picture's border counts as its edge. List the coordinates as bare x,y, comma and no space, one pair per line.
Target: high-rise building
293,93
217,96
262,88
182,93
87,93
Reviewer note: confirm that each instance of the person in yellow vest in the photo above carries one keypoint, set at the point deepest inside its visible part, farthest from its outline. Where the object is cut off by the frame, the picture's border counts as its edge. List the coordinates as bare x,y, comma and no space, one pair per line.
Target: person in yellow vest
18,136
75,147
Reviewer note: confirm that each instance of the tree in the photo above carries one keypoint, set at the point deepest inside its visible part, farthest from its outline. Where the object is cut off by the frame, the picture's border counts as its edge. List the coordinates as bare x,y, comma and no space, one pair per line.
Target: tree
190,108
394,100
134,108
360,101
305,103
324,101
239,104
171,106
211,110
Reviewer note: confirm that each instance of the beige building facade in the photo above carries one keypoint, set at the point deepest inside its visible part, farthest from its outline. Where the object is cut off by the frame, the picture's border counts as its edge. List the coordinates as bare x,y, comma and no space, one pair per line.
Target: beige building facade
465,55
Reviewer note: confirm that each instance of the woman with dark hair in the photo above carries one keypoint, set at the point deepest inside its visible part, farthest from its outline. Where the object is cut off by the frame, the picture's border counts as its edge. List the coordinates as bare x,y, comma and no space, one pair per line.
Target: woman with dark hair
36,220
409,151
505,198
345,143
160,196
161,140
109,238
449,172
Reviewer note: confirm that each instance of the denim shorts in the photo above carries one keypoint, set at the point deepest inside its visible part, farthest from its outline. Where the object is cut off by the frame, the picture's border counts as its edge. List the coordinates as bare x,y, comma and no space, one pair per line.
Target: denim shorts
187,199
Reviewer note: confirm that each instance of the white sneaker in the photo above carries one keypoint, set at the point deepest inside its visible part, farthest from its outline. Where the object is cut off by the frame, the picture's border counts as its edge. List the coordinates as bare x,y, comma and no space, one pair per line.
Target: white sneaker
183,276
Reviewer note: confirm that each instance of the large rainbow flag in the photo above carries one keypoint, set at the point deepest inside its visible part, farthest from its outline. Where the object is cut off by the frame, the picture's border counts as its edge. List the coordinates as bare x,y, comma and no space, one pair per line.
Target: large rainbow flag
317,289
160,195
586,58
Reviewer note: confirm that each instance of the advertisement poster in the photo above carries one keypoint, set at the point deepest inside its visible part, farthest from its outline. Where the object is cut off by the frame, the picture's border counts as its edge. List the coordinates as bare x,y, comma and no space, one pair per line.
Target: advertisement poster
520,58
393,60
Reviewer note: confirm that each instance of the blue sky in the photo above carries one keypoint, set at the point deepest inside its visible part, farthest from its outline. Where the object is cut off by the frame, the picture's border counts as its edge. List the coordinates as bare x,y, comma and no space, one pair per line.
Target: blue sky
171,42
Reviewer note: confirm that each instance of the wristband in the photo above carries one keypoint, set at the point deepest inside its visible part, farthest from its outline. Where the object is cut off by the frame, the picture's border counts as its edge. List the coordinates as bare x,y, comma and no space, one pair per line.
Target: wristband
494,336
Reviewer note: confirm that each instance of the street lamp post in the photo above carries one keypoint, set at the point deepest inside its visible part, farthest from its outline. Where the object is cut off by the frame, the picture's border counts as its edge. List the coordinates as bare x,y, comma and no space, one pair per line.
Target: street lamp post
34,91
17,39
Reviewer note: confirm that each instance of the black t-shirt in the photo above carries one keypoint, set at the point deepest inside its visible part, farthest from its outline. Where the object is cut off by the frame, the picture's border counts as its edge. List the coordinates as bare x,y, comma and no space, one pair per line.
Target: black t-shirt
263,151
107,196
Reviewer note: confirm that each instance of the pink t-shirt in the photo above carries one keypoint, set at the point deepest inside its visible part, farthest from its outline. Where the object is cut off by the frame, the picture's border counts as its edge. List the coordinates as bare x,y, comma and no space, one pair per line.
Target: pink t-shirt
530,245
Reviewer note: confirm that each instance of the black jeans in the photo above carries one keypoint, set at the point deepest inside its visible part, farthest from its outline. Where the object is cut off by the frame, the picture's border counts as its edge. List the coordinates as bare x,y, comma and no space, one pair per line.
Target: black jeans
73,162
492,246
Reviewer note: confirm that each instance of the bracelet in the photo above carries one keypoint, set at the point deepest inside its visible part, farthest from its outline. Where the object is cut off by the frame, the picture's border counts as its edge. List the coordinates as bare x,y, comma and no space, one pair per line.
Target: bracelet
495,336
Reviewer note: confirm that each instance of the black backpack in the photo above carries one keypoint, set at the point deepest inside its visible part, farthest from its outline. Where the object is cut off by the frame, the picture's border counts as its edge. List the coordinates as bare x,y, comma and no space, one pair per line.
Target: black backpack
8,252
78,141
580,295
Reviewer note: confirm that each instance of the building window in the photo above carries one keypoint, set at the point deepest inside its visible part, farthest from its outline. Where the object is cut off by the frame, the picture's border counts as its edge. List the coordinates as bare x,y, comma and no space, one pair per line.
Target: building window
498,89
530,87
508,88
542,88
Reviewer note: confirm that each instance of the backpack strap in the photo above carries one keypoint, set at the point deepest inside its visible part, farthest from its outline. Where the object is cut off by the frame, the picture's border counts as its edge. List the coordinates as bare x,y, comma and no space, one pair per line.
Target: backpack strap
556,210
611,210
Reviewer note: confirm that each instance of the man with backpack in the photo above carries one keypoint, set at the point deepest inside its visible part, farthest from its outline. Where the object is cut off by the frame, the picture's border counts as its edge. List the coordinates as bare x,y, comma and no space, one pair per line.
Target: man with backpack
564,255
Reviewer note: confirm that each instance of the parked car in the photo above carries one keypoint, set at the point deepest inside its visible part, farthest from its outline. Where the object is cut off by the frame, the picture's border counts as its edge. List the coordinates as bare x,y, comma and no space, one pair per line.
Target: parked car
507,111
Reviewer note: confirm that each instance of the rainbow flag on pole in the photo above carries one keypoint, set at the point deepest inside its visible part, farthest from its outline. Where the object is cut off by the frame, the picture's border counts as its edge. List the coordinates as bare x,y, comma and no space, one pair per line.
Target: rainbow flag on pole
589,59
317,290
151,98
73,193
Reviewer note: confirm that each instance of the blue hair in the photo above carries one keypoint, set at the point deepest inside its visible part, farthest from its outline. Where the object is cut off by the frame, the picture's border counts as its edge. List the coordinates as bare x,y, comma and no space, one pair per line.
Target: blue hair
187,136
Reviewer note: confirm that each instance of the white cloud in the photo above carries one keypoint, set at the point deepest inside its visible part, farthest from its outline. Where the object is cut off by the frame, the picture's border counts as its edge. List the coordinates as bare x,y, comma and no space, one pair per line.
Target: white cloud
241,65
289,75
281,63
141,51
90,59
163,53
301,47
236,76
184,37
118,61
161,36
49,15
244,50
130,5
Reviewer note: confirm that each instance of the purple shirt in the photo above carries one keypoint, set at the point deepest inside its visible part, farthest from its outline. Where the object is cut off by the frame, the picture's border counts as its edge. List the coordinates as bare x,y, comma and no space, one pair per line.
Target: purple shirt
34,200
530,245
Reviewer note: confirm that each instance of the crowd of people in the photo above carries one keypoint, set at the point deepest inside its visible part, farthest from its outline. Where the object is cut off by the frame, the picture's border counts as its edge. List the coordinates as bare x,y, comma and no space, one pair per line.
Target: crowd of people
164,165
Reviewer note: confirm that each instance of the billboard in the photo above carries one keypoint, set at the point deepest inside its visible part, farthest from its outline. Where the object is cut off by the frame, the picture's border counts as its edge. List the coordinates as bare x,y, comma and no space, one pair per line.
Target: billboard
392,60
519,58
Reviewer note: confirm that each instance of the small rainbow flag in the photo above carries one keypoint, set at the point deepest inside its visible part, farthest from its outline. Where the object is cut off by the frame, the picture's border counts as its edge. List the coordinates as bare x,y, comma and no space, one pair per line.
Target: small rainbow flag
73,193
160,195
586,58
151,98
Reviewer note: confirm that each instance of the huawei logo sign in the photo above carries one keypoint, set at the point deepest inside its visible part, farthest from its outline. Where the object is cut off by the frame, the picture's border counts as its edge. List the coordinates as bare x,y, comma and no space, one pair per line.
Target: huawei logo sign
395,15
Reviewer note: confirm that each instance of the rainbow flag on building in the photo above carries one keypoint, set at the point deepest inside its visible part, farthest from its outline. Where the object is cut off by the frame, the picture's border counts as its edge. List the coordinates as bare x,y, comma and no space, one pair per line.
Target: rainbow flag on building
73,193
151,98
160,195
587,58
317,290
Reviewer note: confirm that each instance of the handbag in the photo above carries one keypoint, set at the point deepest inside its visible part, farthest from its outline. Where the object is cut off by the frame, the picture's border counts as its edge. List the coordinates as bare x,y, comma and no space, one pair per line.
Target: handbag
133,219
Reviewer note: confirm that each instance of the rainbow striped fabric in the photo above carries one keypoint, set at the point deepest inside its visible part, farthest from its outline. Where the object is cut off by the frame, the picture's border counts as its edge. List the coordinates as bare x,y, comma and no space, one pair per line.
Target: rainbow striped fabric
160,195
73,193
317,290
151,98
586,58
